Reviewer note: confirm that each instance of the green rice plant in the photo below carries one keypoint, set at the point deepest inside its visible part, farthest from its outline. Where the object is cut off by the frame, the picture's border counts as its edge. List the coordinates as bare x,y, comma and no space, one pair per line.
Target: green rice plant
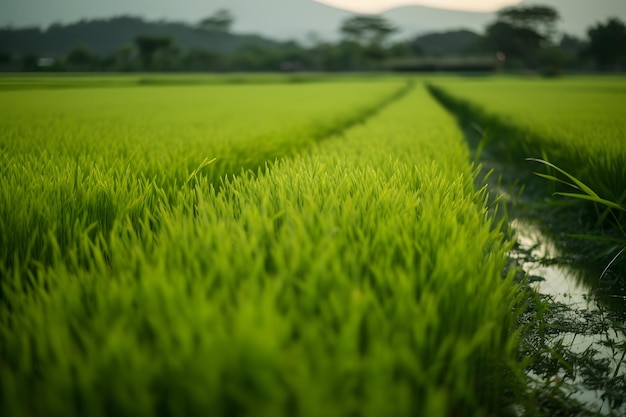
57,81
361,276
574,127
74,165
587,194
578,122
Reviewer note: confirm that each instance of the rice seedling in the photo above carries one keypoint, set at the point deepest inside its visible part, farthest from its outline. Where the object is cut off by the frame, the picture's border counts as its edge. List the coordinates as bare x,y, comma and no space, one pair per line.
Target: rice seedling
360,276
587,194
574,128
74,165
578,123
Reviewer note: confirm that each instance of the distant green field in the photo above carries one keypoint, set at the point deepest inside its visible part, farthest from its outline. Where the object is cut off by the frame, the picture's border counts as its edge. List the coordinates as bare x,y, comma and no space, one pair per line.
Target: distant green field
264,246
97,156
71,81
578,123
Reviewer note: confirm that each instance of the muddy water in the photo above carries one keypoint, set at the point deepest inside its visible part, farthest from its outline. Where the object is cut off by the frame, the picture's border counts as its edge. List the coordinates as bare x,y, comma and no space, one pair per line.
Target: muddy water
539,259
585,324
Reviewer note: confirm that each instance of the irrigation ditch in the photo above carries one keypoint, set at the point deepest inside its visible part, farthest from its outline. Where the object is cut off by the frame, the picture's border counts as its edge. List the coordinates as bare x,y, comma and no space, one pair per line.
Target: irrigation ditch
575,338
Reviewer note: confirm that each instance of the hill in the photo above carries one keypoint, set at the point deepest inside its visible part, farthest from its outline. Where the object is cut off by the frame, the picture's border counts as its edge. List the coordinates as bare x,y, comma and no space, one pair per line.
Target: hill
288,19
105,36
455,42
413,20
278,19
270,19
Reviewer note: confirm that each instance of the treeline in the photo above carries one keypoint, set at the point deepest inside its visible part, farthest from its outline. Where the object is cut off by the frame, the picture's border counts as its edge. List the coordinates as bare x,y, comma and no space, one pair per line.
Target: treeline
520,38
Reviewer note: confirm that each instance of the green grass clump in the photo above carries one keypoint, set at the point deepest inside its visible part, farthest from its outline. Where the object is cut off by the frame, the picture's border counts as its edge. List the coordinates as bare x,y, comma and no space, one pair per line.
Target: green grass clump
362,276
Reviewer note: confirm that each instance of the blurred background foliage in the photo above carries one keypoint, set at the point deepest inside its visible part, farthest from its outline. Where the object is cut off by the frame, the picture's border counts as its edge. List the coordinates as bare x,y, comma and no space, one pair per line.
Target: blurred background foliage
522,38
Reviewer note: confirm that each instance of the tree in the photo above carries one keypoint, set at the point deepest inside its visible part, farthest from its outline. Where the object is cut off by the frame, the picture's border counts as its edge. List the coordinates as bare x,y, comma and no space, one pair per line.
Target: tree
148,46
80,59
5,58
364,39
574,51
29,63
124,58
607,44
367,30
454,42
521,32
570,44
538,19
220,21
201,60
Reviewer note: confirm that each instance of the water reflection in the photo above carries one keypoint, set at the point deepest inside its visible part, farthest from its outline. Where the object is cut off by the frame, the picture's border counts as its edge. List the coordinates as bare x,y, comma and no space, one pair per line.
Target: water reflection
572,283
587,321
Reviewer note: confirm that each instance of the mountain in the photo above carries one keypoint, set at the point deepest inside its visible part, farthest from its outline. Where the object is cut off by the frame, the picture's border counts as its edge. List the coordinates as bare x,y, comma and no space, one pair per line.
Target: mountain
289,19
279,19
413,20
284,19
576,16
105,36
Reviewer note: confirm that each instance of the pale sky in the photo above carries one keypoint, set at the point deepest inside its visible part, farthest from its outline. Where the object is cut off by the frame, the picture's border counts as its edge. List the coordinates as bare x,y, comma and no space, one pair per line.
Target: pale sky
377,6
263,16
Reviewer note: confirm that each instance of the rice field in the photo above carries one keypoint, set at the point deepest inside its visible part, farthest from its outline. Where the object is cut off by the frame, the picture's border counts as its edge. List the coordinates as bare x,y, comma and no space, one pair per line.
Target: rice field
577,123
100,155
572,132
267,247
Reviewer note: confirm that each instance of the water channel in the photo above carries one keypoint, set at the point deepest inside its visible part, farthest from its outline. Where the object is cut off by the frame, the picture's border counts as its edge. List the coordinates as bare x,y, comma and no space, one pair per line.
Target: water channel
590,332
